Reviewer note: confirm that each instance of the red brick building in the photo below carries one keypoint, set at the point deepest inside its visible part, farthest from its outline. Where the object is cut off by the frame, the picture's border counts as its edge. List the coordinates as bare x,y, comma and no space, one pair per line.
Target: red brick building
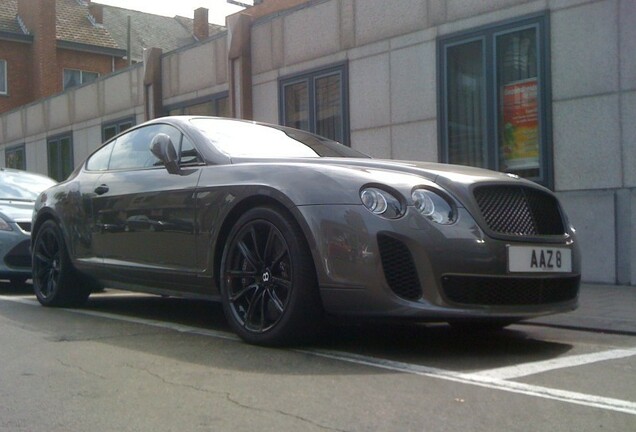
47,46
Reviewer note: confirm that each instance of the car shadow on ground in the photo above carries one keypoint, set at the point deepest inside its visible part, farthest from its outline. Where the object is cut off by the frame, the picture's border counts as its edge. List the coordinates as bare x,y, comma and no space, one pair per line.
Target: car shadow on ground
433,344
6,288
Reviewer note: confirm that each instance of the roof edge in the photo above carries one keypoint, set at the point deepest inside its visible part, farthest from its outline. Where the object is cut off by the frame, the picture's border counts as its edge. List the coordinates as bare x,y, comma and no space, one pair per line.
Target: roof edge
16,37
95,49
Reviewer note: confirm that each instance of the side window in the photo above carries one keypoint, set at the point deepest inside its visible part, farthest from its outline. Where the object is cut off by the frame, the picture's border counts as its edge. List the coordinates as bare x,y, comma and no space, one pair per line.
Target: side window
132,150
100,159
188,154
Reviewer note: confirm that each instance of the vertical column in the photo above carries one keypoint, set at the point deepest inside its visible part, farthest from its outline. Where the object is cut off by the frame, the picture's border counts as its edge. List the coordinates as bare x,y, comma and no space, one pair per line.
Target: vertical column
240,65
153,94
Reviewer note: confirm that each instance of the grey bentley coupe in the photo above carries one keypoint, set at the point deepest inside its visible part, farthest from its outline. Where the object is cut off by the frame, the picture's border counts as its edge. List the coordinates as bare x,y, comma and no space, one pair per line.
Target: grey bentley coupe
286,228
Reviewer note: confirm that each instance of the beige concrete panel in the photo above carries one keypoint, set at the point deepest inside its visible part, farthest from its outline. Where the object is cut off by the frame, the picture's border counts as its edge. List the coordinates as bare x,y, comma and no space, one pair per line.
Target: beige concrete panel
369,92
35,120
413,83
373,142
595,231
415,141
118,91
458,9
587,152
312,32
470,22
220,60
262,59
628,44
628,126
379,19
265,100
196,68
37,156
58,110
85,141
632,240
86,102
14,126
584,50
170,76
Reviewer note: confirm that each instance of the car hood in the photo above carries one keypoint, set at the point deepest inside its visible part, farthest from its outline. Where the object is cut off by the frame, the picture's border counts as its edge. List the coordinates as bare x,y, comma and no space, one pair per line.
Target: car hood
336,177
15,210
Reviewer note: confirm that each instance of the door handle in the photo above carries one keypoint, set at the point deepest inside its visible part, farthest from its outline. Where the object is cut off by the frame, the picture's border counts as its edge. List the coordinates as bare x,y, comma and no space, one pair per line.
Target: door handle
101,190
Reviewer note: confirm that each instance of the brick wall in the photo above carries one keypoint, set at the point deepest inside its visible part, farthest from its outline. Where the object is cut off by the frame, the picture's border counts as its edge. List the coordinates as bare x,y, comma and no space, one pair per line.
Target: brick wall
18,58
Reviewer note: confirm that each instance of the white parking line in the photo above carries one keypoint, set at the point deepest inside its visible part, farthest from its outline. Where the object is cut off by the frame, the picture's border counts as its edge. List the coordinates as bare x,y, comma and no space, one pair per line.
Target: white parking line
518,371
609,404
496,379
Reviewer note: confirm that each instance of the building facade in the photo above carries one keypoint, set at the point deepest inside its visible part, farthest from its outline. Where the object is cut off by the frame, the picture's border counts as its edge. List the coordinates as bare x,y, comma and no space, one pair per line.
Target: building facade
545,89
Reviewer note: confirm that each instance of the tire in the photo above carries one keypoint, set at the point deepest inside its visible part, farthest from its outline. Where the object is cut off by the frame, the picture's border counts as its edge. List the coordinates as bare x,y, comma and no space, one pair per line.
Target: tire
268,282
55,281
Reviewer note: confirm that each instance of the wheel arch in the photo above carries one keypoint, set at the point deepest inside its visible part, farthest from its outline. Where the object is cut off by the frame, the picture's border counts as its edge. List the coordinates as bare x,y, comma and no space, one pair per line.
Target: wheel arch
247,204
43,215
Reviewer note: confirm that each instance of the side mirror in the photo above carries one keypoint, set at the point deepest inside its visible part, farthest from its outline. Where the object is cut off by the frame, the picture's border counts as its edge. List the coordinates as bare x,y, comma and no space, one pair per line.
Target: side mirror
163,148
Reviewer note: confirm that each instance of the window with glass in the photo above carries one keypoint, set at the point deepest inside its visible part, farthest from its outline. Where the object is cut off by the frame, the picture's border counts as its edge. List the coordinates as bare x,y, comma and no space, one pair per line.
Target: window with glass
75,77
317,102
3,77
60,157
215,106
15,157
112,129
495,101
131,151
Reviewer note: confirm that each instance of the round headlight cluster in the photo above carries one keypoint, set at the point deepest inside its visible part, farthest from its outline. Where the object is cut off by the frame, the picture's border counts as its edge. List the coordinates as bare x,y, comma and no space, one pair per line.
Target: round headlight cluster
433,206
381,202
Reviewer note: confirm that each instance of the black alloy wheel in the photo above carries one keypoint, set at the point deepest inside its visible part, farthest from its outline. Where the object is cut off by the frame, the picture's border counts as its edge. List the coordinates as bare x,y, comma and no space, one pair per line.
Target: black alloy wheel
270,296
55,282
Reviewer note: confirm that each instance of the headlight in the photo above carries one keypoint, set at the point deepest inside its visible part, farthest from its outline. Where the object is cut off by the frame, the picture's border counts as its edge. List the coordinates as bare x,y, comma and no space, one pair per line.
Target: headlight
381,202
433,207
4,226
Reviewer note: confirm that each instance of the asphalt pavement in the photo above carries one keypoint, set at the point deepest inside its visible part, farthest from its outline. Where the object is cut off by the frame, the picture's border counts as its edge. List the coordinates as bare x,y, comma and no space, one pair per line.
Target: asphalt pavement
602,308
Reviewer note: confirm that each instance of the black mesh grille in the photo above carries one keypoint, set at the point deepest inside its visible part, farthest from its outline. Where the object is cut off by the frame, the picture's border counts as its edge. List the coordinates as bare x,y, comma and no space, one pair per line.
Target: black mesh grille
518,210
25,226
491,291
399,268
19,256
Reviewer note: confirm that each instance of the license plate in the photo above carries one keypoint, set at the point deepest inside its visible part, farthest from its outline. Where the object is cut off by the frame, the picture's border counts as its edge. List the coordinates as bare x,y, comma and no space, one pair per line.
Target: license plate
538,259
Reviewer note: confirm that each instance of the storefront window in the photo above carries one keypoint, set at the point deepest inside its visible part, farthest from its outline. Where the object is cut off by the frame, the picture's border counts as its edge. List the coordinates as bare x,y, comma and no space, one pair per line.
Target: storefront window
495,99
316,102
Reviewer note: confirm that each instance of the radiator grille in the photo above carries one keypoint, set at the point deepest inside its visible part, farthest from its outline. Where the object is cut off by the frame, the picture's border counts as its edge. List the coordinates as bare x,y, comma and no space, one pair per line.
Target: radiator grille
520,211
399,268
492,291
25,226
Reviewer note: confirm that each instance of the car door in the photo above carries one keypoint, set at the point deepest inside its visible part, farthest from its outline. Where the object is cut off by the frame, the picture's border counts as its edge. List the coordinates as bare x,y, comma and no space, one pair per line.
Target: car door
144,216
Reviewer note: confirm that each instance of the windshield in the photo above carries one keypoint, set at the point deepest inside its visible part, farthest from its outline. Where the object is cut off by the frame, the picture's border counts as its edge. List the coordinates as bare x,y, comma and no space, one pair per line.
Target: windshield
20,185
250,140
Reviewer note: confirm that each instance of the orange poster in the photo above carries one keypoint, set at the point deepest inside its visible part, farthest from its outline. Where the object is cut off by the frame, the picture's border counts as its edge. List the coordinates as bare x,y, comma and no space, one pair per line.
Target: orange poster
520,148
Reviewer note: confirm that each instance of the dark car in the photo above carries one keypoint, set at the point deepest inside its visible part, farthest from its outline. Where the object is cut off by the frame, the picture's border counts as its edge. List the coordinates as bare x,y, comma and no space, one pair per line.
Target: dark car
286,228
18,191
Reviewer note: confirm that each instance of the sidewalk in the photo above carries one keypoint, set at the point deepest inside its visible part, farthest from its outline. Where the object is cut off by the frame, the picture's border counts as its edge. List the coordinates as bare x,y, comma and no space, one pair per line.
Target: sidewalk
607,308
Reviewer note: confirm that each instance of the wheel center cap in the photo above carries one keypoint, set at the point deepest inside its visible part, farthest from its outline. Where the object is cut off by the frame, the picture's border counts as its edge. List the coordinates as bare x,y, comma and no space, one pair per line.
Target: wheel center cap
266,276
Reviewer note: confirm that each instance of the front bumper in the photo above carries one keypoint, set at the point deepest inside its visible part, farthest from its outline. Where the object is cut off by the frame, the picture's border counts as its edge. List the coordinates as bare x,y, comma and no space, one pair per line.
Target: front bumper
15,254
413,268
